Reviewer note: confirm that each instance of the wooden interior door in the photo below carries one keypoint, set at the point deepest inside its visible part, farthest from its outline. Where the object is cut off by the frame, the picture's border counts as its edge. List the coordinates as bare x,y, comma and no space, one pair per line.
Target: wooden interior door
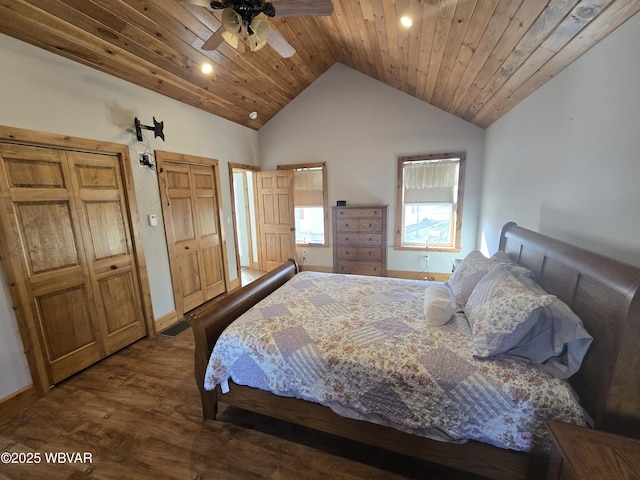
274,191
99,194
192,227
208,230
59,204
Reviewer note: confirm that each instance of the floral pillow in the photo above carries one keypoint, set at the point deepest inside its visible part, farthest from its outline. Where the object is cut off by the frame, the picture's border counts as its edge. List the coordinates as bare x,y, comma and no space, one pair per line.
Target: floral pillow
501,257
501,311
466,276
557,343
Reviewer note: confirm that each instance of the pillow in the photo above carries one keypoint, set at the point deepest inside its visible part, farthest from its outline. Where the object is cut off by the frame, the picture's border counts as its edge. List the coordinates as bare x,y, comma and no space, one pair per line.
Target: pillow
502,258
438,307
558,343
501,311
466,276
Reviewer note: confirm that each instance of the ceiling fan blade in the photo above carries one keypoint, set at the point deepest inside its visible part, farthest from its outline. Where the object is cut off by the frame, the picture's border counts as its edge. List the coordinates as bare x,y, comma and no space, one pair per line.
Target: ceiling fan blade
303,8
279,44
215,40
200,3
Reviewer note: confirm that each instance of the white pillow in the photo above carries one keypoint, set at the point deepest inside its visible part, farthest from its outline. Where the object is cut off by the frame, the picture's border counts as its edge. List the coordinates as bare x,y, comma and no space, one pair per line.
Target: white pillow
438,307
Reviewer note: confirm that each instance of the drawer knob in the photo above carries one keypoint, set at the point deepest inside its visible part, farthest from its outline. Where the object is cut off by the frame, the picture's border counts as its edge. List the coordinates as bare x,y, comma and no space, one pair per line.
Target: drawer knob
370,225
113,267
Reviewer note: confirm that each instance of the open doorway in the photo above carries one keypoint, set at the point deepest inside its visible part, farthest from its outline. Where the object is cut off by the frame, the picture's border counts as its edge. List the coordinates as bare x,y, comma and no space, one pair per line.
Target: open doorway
242,179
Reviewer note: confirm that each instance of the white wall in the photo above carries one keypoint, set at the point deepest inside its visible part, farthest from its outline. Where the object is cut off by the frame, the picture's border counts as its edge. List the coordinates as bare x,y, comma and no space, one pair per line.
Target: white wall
566,160
44,92
359,127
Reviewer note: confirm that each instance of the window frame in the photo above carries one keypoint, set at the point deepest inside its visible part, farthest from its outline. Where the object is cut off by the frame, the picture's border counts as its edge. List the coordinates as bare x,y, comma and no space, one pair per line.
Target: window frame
457,211
325,199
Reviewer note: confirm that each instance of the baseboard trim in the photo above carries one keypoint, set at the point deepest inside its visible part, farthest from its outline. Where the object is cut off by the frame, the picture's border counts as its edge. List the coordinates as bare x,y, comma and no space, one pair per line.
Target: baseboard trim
165,321
19,400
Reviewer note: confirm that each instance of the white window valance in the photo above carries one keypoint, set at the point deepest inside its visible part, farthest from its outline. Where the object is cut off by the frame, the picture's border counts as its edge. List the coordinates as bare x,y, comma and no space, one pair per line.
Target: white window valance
307,184
431,181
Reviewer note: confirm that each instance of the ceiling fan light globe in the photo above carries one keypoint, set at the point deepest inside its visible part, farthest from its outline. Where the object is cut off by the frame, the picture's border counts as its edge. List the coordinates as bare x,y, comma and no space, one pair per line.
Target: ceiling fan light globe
258,34
231,21
232,38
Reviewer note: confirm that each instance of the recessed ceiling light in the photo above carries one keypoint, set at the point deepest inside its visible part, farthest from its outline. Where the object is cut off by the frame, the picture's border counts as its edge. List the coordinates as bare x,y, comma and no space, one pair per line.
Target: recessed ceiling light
253,115
406,21
206,68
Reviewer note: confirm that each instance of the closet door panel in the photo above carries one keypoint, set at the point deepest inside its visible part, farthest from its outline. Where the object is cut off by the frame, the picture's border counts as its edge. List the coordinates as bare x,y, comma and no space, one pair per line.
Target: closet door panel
182,238
43,212
209,238
97,182
107,229
193,231
70,338
190,279
122,317
48,233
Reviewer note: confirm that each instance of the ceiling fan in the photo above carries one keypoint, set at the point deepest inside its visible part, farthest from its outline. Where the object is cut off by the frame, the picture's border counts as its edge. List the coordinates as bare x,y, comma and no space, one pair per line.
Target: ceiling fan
239,14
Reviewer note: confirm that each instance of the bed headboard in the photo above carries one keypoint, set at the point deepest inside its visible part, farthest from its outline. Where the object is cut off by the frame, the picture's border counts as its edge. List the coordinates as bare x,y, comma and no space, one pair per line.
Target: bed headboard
605,294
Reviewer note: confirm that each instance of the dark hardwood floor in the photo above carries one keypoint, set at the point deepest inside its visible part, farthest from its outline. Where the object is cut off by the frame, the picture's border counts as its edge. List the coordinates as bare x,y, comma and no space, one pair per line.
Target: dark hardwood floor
136,415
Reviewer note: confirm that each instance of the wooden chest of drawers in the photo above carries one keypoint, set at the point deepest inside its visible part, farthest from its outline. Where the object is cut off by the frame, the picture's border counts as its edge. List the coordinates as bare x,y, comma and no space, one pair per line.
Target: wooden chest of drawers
360,239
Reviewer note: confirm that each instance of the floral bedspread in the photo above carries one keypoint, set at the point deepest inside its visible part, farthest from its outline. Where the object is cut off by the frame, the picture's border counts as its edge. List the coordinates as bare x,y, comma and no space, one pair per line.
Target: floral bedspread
361,346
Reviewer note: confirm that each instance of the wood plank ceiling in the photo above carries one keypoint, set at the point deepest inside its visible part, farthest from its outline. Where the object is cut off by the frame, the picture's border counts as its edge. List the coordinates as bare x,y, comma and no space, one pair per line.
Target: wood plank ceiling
473,58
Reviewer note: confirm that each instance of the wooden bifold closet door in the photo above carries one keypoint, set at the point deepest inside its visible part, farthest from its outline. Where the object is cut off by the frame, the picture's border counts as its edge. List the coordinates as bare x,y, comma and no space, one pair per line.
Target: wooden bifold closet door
189,188
66,216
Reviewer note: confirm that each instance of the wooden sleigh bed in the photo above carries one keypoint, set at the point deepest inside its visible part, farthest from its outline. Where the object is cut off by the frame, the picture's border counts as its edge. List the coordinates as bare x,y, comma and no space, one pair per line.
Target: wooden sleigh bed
603,292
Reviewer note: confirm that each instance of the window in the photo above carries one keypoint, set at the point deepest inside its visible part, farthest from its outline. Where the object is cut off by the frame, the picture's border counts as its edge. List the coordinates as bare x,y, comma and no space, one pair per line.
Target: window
310,203
429,201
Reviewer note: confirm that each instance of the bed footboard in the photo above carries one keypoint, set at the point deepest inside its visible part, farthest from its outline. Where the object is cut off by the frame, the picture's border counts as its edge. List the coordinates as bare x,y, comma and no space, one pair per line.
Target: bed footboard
210,319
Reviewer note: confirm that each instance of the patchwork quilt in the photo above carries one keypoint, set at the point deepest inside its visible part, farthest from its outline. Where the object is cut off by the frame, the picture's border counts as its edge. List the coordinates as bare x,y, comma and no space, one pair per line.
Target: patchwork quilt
362,347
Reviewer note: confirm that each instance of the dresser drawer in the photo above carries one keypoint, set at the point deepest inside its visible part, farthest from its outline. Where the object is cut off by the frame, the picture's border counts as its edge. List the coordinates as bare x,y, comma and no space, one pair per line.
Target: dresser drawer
373,253
346,239
359,213
359,225
370,225
347,225
360,268
359,253
369,239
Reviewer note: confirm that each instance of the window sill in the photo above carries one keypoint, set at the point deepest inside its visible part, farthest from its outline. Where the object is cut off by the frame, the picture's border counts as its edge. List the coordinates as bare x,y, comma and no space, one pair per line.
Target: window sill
430,249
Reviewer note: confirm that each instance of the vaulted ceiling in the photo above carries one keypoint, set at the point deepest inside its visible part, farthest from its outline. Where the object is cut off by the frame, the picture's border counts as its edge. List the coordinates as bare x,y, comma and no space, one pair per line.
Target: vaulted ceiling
473,58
